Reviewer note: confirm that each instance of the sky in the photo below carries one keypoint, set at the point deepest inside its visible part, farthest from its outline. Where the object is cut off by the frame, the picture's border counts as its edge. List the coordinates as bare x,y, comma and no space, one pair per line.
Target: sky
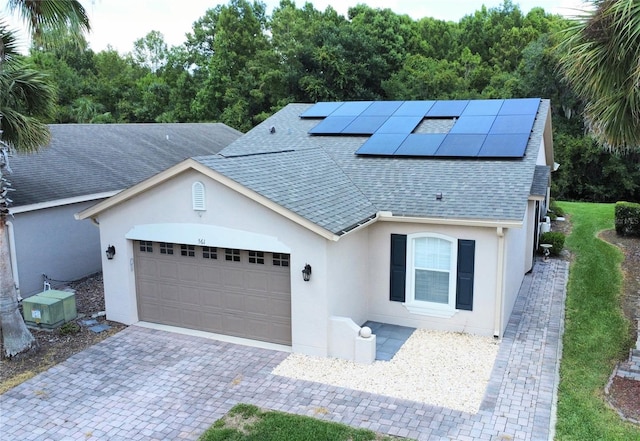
119,23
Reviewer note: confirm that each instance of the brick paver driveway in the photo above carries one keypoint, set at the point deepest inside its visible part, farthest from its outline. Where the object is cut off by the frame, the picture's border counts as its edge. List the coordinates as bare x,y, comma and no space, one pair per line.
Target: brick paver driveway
144,384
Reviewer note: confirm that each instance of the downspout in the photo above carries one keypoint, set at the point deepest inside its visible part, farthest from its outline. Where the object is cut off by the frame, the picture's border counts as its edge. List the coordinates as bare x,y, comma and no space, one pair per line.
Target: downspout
497,319
13,257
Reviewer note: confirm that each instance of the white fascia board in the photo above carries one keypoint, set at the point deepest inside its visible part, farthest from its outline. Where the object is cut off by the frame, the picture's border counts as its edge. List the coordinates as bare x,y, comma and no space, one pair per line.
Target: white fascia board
387,216
207,235
61,202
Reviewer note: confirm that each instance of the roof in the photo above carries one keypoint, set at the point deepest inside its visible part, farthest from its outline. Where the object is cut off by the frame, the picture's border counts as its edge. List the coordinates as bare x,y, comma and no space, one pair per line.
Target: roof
322,179
86,159
540,182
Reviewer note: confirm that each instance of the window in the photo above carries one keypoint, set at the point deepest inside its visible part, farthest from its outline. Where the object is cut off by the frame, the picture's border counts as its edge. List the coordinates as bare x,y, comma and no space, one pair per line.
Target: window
280,259
431,261
232,255
188,250
256,257
209,252
166,248
146,246
432,274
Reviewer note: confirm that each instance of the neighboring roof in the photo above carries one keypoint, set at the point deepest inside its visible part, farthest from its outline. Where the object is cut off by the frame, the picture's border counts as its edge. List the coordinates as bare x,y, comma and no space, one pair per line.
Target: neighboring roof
321,179
86,159
540,182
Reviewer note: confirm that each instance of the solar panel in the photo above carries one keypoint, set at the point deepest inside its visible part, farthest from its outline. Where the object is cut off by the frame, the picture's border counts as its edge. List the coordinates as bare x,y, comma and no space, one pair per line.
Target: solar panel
473,124
382,108
381,144
505,124
504,146
414,108
400,124
483,107
420,144
332,125
364,125
351,108
442,109
520,106
461,145
320,110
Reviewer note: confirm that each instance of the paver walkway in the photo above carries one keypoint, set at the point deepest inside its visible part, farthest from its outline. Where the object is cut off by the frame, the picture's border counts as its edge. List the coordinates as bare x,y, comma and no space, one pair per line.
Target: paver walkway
144,384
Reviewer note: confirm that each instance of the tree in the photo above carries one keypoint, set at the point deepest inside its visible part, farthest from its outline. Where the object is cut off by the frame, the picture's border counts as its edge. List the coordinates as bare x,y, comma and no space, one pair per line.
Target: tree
600,60
25,97
151,51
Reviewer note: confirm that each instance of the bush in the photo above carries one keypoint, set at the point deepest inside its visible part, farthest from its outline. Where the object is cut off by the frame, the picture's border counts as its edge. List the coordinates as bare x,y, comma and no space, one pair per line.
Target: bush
555,208
69,328
554,238
627,219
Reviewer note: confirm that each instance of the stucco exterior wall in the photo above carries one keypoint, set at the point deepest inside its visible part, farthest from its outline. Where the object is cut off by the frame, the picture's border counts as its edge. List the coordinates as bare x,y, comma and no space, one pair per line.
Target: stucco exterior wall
517,255
51,241
479,321
348,284
171,203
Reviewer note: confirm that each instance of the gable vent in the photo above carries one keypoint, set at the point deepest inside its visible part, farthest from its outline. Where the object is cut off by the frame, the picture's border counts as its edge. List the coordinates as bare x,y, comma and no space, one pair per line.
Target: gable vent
197,196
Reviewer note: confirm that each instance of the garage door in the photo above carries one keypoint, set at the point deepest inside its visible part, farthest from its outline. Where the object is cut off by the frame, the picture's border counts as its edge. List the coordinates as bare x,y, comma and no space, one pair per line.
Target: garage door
227,291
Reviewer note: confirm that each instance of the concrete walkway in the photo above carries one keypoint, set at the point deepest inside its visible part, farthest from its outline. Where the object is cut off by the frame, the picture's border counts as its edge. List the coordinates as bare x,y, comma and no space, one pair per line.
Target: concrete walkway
144,384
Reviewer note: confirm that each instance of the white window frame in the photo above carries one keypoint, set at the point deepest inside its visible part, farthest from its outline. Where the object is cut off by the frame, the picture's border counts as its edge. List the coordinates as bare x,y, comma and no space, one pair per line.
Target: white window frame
421,306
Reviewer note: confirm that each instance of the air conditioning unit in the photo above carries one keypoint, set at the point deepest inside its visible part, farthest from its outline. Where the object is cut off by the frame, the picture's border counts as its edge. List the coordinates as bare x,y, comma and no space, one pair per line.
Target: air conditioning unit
45,312
68,302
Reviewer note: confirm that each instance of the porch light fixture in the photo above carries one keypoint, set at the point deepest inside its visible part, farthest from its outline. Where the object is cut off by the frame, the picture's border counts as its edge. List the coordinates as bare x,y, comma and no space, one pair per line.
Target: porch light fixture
111,251
439,196
306,273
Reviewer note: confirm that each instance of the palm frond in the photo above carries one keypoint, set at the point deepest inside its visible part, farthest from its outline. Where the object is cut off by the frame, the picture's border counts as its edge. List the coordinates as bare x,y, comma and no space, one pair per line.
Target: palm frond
45,17
600,60
26,97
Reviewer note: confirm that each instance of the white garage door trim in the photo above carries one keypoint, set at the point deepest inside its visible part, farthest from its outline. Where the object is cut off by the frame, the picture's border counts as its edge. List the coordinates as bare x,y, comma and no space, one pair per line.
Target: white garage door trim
207,235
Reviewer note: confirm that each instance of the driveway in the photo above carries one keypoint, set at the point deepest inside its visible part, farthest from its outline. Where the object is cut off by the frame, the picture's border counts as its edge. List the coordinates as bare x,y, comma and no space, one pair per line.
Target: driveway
144,384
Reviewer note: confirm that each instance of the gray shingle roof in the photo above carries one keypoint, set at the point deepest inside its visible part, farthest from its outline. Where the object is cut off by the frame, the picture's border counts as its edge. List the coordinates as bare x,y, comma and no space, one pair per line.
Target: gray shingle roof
540,180
321,179
84,159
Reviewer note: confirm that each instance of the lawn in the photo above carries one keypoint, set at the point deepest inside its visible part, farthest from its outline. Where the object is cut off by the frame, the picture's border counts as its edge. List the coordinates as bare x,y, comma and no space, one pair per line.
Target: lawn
246,422
596,331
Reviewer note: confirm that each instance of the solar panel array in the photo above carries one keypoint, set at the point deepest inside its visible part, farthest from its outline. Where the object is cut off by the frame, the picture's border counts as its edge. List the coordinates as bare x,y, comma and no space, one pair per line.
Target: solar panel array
483,128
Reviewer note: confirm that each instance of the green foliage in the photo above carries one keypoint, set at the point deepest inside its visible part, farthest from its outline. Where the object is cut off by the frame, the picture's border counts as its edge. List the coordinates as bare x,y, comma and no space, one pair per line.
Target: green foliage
596,333
627,219
588,173
554,238
69,328
247,422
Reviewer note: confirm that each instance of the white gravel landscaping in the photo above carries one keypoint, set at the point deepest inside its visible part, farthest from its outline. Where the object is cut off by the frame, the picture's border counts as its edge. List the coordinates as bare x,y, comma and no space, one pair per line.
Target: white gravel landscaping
447,369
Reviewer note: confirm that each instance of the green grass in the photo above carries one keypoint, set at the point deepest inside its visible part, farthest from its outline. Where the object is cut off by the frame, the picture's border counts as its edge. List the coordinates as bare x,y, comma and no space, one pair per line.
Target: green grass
248,423
596,331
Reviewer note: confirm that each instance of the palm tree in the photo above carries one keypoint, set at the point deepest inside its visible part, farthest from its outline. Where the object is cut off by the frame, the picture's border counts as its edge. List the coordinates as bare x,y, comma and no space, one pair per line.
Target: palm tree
26,97
600,60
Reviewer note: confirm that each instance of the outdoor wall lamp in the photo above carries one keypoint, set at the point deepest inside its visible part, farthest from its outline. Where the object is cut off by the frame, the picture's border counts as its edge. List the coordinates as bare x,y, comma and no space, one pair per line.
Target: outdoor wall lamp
111,251
306,273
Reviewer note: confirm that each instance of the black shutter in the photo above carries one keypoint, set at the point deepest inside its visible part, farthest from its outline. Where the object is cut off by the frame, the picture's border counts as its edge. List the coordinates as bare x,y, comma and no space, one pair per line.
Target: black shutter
464,285
398,267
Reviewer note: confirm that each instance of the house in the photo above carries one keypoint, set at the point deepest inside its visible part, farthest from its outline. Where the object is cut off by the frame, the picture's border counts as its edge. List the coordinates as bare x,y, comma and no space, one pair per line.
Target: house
83,164
416,213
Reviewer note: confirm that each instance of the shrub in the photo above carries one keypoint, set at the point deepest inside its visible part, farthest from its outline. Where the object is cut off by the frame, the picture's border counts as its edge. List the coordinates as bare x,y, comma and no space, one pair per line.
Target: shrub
554,238
627,219
69,328
555,208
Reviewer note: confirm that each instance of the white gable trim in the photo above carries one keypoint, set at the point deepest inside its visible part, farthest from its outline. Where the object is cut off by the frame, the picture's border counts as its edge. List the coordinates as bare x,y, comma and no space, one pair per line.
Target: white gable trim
207,235
60,202
191,164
